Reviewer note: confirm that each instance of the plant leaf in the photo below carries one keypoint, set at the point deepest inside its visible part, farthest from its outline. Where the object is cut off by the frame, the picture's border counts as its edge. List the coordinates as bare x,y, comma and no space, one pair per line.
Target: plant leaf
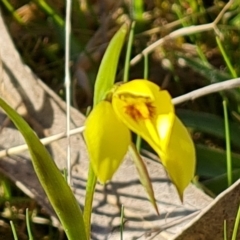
212,162
107,71
58,192
220,183
209,123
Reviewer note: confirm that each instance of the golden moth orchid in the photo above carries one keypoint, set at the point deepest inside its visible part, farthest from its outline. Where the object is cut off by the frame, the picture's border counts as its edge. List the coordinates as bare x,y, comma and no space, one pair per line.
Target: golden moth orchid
142,107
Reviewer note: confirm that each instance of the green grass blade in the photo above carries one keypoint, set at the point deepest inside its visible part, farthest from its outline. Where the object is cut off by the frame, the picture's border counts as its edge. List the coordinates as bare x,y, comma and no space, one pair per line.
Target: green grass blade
58,192
15,237
202,55
128,54
145,76
50,12
107,70
138,143
143,175
138,9
225,230
146,66
59,27
226,58
12,11
236,225
30,236
228,144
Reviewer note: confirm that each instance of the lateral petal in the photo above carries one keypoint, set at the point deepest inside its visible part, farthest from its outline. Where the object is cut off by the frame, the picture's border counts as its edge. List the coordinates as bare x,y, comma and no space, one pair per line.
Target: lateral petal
107,140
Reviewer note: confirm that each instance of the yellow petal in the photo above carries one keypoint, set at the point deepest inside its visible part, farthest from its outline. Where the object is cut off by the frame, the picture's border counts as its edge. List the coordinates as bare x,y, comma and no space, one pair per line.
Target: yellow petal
107,140
179,157
146,110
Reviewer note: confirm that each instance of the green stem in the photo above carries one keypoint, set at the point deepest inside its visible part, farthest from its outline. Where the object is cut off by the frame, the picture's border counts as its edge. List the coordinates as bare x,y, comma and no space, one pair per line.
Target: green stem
225,230
128,54
226,58
90,189
15,237
138,143
145,74
228,144
50,12
30,236
236,225
11,9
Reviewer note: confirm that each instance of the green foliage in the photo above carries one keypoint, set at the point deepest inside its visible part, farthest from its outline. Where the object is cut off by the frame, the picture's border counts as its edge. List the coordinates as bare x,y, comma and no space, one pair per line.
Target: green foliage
211,156
59,193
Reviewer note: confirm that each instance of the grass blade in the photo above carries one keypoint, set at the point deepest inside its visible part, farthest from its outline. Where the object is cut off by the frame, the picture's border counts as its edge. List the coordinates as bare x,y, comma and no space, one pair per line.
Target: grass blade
225,230
30,236
128,54
236,225
15,237
228,144
226,58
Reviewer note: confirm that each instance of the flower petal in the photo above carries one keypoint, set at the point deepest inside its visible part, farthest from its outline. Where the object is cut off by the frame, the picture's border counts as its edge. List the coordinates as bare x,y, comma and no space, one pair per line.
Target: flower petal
107,140
143,107
179,157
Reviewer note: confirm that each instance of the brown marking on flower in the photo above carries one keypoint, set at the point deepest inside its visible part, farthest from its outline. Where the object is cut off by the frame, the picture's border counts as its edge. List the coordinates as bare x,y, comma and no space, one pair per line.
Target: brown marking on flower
138,108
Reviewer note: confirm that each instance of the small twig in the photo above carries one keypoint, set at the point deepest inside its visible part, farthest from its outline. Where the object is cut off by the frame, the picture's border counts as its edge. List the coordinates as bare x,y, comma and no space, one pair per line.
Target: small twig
216,87
68,84
225,8
175,34
186,31
44,141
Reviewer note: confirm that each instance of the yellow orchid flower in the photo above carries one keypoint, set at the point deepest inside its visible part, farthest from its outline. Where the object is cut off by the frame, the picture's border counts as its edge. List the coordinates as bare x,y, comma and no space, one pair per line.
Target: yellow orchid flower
148,111
142,107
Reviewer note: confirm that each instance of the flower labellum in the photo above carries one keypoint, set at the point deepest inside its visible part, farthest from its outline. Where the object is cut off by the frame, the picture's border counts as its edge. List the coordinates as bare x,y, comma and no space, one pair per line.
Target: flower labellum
146,110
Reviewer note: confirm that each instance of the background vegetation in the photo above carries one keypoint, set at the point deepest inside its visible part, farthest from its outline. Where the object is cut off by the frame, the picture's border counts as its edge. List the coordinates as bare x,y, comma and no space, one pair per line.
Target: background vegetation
180,64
